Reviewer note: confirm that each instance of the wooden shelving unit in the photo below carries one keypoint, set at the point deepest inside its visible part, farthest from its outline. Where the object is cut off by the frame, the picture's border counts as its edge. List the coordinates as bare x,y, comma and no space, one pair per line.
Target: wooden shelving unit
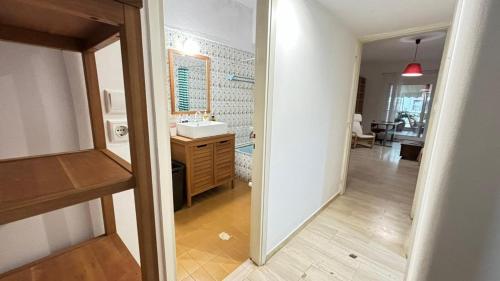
34,185
31,186
104,258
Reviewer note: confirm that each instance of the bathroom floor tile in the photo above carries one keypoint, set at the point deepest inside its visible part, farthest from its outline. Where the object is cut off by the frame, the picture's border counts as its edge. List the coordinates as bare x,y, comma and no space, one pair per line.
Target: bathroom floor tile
202,275
215,270
201,253
188,263
181,272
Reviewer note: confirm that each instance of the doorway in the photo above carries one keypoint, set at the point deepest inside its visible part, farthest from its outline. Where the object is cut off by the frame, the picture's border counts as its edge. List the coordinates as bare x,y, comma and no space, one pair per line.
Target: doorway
212,86
211,79
382,178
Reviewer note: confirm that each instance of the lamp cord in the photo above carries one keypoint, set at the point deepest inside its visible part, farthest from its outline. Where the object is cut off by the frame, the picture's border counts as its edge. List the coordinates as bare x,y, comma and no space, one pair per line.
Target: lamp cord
416,49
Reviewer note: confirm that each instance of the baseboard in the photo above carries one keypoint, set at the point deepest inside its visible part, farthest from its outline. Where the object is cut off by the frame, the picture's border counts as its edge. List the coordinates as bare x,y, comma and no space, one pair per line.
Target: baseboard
300,227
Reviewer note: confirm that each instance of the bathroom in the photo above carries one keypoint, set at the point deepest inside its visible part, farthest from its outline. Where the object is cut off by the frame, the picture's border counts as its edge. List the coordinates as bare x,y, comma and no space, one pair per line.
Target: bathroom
210,49
230,73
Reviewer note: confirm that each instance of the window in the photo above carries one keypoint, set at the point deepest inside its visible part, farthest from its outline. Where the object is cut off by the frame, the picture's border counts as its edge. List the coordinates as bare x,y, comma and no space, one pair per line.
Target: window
411,106
389,103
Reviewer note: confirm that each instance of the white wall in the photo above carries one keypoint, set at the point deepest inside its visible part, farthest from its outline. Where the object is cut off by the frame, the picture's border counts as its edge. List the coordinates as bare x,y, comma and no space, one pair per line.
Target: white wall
224,21
42,111
33,100
110,74
314,64
458,234
378,76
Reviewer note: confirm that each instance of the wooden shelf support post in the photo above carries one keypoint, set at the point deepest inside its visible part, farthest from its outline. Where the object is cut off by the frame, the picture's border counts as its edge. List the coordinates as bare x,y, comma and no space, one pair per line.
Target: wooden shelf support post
135,96
98,133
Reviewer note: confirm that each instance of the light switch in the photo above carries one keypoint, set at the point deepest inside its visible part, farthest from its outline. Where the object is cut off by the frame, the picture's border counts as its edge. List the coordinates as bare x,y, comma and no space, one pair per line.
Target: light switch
115,101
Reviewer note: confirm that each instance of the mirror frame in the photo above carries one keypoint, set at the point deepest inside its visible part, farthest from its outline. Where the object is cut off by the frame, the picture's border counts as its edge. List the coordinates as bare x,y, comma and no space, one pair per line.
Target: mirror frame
171,53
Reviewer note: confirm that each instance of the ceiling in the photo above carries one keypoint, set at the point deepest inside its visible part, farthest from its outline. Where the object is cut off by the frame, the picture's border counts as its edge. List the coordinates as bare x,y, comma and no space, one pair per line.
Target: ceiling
402,49
248,3
368,17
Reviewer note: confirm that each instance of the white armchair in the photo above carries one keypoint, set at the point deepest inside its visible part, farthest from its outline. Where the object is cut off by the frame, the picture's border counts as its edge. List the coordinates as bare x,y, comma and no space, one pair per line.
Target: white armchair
358,137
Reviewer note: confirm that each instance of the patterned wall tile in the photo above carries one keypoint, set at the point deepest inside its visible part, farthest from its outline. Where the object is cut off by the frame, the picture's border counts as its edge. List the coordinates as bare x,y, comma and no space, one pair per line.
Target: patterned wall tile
232,101
243,162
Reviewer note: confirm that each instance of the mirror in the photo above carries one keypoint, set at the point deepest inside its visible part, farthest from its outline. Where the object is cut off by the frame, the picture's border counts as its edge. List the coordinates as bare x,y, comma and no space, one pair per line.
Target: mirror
189,82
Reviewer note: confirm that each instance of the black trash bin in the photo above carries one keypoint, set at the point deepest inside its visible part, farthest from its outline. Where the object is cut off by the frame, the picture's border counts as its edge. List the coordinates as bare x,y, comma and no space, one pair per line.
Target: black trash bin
178,184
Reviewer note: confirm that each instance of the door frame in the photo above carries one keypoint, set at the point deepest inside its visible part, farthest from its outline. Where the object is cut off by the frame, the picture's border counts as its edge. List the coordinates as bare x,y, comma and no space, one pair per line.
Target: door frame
154,28
350,112
264,79
354,91
154,49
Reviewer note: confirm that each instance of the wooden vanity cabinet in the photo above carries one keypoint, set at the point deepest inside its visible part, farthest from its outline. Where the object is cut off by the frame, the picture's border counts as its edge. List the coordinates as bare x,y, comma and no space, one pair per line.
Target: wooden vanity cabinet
209,162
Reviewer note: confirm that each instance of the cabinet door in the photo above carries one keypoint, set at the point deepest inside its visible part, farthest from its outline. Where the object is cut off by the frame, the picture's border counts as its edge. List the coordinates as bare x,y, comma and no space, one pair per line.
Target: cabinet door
202,175
224,160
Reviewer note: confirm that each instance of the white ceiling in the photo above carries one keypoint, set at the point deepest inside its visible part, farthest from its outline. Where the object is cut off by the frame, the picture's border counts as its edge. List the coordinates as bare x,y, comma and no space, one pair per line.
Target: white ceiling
394,50
368,17
248,3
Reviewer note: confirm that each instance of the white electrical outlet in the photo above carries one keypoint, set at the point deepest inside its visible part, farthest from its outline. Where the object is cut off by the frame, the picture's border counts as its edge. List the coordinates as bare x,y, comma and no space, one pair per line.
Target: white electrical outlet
117,131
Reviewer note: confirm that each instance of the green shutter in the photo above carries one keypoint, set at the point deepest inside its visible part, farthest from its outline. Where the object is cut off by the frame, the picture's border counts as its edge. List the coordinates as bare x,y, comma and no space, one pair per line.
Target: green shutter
182,88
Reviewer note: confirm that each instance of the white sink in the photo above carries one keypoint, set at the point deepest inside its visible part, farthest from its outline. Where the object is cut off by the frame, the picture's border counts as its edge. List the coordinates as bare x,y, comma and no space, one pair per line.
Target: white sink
195,130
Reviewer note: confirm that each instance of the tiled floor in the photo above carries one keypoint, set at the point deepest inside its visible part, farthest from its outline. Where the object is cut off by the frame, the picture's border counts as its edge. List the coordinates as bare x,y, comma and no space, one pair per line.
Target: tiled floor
201,254
360,235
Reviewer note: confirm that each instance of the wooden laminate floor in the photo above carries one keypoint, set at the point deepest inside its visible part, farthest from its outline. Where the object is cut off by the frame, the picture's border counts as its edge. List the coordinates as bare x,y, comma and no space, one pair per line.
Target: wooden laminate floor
201,254
360,235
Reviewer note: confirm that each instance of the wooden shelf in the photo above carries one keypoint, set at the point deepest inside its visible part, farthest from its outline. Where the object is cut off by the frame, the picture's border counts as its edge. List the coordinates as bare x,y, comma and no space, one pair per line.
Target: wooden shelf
31,186
36,185
63,24
103,258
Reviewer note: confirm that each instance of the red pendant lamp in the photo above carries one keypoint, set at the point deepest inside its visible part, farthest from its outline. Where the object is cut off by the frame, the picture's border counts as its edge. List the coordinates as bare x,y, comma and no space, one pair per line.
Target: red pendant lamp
413,69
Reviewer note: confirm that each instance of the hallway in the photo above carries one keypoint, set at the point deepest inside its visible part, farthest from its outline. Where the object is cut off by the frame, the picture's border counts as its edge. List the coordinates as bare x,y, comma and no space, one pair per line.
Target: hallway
360,235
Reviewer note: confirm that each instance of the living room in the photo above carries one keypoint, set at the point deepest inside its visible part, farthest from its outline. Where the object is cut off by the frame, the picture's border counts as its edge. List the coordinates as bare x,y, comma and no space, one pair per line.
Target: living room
398,77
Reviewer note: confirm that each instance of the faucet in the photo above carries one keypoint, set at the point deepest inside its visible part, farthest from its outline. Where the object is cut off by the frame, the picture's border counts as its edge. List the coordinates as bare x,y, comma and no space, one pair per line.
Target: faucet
196,116
252,133
252,138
